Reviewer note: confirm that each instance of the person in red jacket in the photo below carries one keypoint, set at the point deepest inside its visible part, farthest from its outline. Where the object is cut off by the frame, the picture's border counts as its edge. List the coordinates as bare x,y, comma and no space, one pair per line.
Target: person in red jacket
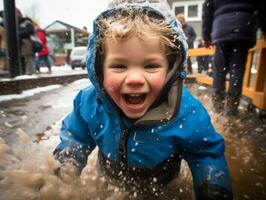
43,55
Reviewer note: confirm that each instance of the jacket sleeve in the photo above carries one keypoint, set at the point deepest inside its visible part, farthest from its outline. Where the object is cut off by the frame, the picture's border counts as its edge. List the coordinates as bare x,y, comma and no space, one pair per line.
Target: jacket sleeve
76,143
191,36
205,157
207,19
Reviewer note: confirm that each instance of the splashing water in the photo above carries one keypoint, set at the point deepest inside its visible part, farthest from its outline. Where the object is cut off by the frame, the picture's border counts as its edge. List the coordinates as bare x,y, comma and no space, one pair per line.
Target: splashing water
27,171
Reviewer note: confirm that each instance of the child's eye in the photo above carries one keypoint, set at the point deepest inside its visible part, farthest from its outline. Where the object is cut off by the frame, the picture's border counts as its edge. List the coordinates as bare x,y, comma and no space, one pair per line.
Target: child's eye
118,67
152,67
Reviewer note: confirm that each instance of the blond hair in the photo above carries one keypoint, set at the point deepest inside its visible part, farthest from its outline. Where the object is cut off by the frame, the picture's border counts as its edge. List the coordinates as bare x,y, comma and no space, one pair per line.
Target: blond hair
136,22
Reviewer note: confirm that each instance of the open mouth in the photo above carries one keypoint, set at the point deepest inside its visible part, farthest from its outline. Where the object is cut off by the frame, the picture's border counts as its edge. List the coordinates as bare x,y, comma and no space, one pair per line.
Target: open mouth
134,98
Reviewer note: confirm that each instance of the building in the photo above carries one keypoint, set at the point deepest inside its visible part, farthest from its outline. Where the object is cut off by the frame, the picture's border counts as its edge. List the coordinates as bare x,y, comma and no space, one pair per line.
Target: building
62,36
192,10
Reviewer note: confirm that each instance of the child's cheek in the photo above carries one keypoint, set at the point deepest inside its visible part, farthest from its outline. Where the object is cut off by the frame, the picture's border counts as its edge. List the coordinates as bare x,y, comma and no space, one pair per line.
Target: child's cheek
157,82
111,84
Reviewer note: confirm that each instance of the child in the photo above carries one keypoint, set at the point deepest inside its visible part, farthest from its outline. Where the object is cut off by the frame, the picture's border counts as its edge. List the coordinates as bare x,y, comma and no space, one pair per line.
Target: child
137,112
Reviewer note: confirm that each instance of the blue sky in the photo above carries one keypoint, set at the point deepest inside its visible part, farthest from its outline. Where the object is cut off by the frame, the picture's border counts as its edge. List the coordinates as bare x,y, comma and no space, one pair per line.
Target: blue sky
75,12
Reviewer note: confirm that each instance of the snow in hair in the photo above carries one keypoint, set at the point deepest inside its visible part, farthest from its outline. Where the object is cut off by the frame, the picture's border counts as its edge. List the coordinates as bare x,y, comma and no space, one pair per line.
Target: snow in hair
125,23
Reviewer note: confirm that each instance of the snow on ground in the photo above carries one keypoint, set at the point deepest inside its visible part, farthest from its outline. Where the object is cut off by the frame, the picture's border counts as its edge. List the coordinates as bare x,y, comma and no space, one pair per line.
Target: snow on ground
31,92
56,70
61,70
28,93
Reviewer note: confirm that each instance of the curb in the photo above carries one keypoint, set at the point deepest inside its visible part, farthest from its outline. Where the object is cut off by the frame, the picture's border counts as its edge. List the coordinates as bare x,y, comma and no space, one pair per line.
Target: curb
17,86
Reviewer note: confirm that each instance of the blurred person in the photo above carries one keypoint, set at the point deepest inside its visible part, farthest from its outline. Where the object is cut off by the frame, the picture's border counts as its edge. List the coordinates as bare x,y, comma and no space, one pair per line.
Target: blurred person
190,36
25,31
43,55
203,61
137,111
231,26
2,42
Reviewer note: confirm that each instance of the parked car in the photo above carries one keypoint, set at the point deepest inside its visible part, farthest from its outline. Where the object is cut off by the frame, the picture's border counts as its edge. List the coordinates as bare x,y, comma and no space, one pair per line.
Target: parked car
78,57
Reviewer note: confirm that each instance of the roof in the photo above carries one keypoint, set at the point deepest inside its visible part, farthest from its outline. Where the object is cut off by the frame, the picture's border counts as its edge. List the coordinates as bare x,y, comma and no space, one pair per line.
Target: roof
58,26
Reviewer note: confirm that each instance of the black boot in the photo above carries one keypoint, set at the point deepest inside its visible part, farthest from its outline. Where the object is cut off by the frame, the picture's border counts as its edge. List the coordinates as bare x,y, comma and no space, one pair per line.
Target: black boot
218,99
232,103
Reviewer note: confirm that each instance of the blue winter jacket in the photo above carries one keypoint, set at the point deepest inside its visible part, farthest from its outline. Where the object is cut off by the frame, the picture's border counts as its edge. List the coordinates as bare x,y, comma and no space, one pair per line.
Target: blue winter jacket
177,127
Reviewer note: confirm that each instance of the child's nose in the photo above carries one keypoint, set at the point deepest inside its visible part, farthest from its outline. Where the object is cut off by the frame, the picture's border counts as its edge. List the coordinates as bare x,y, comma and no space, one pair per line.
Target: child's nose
135,78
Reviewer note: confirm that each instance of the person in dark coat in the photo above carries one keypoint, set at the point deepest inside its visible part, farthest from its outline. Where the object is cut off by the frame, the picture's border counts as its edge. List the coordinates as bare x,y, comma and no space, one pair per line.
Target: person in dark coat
2,42
190,36
231,26
25,31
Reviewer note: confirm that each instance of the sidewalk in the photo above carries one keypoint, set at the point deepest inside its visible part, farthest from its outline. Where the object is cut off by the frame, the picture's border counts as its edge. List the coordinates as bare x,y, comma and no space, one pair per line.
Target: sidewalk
59,75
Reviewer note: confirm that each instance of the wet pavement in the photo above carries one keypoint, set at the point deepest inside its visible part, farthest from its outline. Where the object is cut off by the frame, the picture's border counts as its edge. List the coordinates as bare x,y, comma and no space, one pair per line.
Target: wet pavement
37,113
245,138
38,118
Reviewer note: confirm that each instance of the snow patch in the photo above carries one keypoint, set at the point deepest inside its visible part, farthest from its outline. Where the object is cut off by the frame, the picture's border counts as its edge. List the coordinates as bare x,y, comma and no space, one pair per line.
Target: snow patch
28,93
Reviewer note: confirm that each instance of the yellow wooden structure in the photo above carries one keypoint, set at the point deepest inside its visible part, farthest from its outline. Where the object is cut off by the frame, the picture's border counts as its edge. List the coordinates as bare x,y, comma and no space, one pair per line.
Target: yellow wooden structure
254,84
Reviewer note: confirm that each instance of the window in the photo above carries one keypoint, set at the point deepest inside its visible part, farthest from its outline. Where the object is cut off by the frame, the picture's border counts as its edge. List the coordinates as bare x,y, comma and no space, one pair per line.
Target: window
192,10
179,10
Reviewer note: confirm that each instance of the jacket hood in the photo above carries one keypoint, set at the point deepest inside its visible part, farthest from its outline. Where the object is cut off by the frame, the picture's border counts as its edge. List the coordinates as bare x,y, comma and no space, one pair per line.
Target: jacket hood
157,7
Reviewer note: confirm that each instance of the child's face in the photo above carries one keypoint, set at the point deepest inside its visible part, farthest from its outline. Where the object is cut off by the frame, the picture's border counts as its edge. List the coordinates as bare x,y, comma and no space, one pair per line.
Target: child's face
134,72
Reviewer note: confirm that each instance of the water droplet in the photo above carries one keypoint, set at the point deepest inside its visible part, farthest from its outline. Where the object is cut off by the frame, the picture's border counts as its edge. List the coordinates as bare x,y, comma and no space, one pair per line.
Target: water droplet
133,150
180,126
101,126
135,194
205,139
108,155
